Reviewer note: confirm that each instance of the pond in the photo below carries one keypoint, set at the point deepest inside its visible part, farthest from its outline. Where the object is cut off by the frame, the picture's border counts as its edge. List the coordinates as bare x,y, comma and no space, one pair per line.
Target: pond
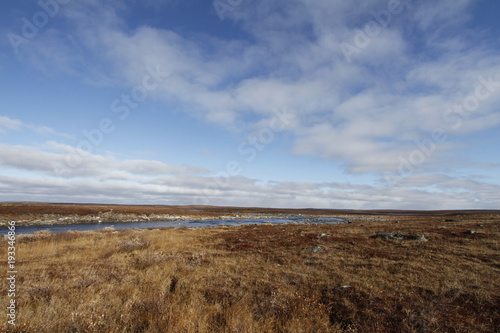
166,224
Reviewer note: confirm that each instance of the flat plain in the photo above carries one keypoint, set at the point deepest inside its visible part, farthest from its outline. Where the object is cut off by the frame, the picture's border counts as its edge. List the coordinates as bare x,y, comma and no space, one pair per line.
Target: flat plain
440,273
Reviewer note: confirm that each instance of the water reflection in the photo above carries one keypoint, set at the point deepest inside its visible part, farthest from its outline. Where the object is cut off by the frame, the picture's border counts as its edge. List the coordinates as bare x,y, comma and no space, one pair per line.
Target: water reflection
166,224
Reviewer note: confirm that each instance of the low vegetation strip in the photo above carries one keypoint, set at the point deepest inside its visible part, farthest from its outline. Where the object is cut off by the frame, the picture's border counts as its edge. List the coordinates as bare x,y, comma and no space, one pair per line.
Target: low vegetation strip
281,278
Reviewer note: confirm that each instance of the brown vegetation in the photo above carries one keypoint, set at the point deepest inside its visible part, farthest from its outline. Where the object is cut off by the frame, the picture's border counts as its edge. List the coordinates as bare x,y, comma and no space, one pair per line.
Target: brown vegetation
41,213
288,278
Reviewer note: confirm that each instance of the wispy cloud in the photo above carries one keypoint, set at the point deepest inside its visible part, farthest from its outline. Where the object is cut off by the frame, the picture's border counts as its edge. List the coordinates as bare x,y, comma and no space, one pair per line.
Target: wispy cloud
9,124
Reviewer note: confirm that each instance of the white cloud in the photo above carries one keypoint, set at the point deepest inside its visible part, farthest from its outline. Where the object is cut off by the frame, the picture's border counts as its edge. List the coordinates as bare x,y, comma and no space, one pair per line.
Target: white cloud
10,124
242,191
7,123
436,15
66,161
143,167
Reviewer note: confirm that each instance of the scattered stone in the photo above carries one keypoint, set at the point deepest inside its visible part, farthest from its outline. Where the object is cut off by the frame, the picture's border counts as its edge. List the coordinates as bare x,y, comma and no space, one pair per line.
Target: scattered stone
398,236
320,236
470,232
342,288
480,225
352,243
314,249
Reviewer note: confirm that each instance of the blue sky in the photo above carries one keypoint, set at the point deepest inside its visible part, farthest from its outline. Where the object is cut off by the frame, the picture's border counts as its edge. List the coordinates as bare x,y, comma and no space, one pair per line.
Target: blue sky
285,103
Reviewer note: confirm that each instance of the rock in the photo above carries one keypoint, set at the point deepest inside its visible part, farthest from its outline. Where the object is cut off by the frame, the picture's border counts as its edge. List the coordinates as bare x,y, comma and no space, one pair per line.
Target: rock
470,232
352,243
320,236
384,235
315,249
420,238
342,288
398,236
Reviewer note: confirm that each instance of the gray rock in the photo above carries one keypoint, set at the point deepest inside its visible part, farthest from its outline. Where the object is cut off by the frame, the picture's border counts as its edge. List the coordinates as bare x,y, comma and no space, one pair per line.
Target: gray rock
420,238
315,249
398,236
470,232
385,235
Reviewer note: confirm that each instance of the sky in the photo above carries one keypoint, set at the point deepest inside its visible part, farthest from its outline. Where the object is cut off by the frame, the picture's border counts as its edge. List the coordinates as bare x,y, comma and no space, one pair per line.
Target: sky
271,103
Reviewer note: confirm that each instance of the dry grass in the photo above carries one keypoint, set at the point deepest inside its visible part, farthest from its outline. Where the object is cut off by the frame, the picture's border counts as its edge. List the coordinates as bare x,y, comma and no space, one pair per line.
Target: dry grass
264,279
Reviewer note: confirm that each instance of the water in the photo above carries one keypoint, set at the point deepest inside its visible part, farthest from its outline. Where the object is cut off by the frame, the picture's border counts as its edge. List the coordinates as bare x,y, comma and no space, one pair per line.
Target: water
166,224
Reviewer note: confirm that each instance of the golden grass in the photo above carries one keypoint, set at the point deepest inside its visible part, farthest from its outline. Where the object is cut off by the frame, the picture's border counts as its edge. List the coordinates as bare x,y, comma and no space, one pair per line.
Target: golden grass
263,279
